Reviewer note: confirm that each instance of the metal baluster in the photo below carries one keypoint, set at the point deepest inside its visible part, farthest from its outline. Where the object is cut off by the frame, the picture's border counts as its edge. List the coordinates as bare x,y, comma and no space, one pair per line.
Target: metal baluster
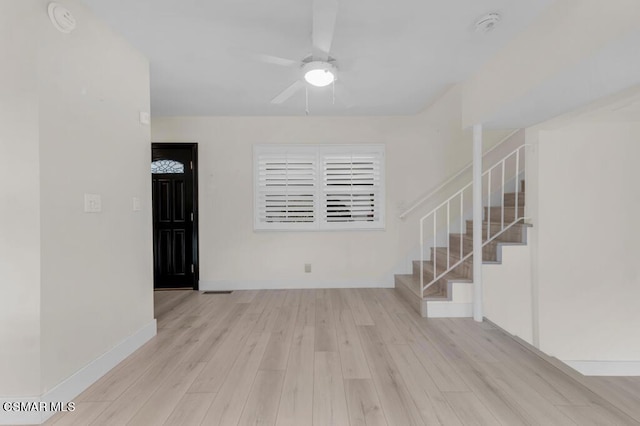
448,235
517,181
502,199
489,206
461,220
435,244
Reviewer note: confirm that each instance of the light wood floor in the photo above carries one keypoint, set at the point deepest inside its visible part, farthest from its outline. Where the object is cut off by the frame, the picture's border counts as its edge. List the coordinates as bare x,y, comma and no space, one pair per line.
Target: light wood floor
339,357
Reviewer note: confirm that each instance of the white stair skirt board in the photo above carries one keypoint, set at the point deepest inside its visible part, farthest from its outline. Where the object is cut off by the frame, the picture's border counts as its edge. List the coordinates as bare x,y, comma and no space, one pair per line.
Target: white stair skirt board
78,382
605,368
449,309
222,285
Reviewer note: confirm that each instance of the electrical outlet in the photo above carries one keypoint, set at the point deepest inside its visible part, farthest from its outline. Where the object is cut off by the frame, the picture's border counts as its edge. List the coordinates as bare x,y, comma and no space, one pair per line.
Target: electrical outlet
307,267
92,203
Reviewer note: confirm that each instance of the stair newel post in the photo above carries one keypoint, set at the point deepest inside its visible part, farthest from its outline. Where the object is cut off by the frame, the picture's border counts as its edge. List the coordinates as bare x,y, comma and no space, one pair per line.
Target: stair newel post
461,223
477,222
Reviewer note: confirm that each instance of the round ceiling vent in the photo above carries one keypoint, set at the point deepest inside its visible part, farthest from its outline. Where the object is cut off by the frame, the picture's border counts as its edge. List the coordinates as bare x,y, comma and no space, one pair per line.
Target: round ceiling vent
488,22
61,18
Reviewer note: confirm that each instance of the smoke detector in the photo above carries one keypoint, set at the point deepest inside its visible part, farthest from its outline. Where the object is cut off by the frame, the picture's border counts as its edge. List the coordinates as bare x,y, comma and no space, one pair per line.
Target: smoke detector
61,18
488,22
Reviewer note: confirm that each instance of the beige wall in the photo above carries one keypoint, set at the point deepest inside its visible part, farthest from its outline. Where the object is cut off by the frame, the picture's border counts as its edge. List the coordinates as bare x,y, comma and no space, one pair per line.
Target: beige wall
74,285
421,152
587,278
19,202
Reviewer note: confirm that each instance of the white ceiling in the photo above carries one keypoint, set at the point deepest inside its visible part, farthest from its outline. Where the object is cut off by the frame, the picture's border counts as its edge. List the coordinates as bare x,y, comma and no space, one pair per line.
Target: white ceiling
393,56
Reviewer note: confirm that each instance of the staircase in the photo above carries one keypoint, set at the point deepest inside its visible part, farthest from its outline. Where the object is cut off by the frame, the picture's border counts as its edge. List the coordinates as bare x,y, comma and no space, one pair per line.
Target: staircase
451,294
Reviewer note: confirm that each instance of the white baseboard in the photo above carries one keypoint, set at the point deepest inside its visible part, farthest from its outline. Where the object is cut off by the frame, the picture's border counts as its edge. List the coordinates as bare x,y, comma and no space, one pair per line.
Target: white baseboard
225,285
605,368
449,309
78,382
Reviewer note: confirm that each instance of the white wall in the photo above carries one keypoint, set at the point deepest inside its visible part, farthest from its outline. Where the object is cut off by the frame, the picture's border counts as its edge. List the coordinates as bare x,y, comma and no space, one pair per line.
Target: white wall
96,268
421,152
74,285
507,291
585,247
566,33
19,203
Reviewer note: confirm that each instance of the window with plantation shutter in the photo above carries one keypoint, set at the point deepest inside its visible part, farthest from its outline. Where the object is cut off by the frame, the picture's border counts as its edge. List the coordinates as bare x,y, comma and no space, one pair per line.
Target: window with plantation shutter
286,188
326,187
351,188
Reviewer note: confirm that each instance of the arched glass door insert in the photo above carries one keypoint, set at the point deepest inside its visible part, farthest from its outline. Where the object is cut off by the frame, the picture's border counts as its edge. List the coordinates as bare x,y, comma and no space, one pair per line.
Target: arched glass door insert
166,166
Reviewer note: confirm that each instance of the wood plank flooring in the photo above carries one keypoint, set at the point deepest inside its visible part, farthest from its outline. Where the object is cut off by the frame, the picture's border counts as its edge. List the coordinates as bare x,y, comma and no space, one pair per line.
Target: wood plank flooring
339,357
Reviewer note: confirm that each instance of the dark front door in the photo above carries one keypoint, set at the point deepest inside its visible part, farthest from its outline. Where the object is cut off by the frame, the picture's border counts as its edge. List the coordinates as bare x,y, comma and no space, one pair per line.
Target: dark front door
174,177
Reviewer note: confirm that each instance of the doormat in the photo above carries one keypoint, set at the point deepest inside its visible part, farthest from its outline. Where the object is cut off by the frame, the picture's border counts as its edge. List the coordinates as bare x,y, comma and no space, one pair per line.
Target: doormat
218,292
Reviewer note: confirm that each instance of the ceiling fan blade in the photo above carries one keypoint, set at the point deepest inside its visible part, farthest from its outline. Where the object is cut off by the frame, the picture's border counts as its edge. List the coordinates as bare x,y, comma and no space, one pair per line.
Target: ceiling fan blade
276,60
287,93
243,54
324,24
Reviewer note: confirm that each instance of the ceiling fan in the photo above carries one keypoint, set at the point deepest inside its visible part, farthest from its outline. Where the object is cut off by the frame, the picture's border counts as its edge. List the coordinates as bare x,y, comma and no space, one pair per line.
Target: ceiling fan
318,69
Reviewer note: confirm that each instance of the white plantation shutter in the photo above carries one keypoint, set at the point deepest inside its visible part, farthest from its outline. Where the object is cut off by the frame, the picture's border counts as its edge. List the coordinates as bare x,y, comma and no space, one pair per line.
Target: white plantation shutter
352,189
308,187
286,189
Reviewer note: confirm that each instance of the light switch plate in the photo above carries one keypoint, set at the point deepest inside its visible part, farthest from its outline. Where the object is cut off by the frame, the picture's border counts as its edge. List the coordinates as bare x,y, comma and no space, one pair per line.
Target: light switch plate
145,117
92,203
137,206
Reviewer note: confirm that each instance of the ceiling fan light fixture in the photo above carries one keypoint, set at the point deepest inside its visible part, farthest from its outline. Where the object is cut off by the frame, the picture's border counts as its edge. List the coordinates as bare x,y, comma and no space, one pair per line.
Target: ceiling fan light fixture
319,73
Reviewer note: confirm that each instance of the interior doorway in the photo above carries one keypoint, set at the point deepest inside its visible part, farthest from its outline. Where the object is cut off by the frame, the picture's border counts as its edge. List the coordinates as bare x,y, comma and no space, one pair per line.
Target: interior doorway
174,175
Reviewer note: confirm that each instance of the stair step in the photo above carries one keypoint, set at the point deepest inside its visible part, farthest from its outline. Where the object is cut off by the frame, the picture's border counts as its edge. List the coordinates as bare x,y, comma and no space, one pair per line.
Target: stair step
409,281
510,199
442,256
464,269
427,266
496,214
436,291
515,234
454,239
489,251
